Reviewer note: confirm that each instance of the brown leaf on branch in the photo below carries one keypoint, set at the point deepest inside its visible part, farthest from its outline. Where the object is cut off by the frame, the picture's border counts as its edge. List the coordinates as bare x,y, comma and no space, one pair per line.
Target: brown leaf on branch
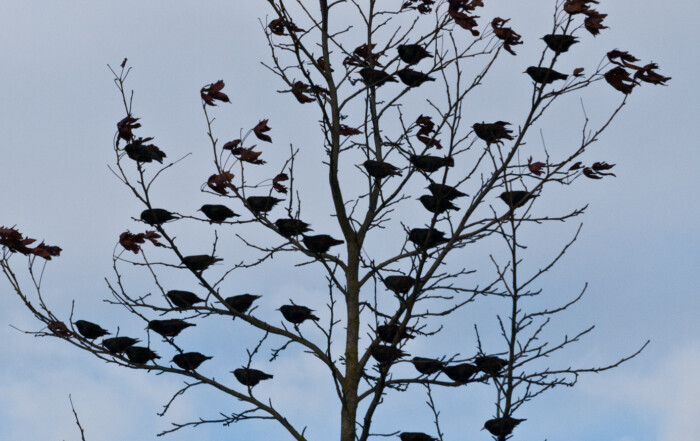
247,155
573,7
218,183
429,141
576,166
46,251
458,10
507,35
578,72
618,78
260,130
594,21
647,74
13,240
279,25
276,182
535,167
132,242
426,125
123,64
232,144
125,127
422,6
363,56
623,59
298,90
212,92
348,131
59,328
590,173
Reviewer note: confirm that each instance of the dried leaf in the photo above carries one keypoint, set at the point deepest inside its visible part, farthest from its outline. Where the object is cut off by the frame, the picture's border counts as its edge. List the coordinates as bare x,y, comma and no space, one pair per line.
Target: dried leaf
213,92
348,131
647,74
46,251
232,144
276,182
260,130
618,78
535,167
60,328
578,72
508,35
218,183
594,21
247,155
576,166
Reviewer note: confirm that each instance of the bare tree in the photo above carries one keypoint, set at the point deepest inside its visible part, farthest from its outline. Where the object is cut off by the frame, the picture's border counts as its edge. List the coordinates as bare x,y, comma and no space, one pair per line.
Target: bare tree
363,65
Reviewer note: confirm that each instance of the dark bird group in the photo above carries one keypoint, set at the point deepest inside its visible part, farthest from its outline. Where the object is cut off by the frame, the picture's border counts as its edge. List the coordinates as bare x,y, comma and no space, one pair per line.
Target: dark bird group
411,54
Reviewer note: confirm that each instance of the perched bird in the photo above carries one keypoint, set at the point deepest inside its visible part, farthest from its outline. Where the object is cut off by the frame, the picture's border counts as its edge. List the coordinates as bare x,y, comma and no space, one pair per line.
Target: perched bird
376,78
399,284
380,170
217,213
427,366
189,361
426,237
502,427
183,299
291,227
320,243
493,133
386,354
413,78
156,216
90,330
199,262
168,328
416,436
490,365
544,75
117,345
297,314
241,303
436,205
559,42
144,152
250,377
460,373
140,354
262,204
387,333
429,163
412,53
516,198
444,191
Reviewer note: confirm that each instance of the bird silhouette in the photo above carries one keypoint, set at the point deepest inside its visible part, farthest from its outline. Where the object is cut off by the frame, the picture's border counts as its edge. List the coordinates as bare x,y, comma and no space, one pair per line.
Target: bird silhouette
460,373
544,75
490,365
559,42
199,262
250,377
416,436
376,78
217,213
493,133
156,216
90,330
241,303
183,299
387,333
169,327
436,205
444,191
516,198
426,237
140,354
320,243
291,227
399,284
297,314
413,78
427,366
502,427
190,361
117,345
412,53
262,204
144,152
429,163
380,170
386,354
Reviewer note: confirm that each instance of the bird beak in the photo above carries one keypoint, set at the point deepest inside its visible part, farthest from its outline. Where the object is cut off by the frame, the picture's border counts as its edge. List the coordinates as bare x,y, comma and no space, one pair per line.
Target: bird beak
524,71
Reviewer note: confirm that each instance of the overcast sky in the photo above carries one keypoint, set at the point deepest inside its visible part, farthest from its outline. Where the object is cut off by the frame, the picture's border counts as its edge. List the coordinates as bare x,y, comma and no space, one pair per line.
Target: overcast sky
638,250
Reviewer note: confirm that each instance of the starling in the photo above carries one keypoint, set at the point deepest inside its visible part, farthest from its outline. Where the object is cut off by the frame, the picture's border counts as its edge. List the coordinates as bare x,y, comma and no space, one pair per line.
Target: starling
559,43
436,205
387,333
291,227
502,427
320,243
241,303
427,237
183,299
156,216
117,345
446,192
386,354
190,361
380,170
490,365
250,377
493,133
460,373
413,78
429,163
427,366
140,354
376,78
399,284
90,330
262,204
412,53
416,436
297,314
217,213
199,262
517,198
544,75
144,153
168,328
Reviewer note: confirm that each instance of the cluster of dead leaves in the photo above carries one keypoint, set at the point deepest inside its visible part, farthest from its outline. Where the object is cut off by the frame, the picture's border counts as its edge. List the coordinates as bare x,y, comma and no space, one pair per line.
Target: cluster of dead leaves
300,89
126,126
426,132
242,153
219,183
344,130
624,81
213,92
459,11
363,56
132,242
15,242
422,6
596,171
278,26
507,35
594,19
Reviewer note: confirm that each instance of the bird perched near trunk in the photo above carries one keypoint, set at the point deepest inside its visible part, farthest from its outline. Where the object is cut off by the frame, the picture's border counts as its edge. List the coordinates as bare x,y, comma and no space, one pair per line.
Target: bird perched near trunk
559,42
399,284
490,365
443,191
502,427
376,78
183,299
320,243
250,377
436,205
493,133
413,78
241,303
416,436
217,213
460,373
190,361
516,198
140,354
144,152
380,170
544,75
262,204
297,314
429,163
412,53
90,330
387,333
200,262
426,237
291,227
117,345
427,366
386,354
168,328
156,216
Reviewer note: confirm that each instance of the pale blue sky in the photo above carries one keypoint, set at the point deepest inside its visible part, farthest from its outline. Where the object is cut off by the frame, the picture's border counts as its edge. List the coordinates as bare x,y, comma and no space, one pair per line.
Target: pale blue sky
638,249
